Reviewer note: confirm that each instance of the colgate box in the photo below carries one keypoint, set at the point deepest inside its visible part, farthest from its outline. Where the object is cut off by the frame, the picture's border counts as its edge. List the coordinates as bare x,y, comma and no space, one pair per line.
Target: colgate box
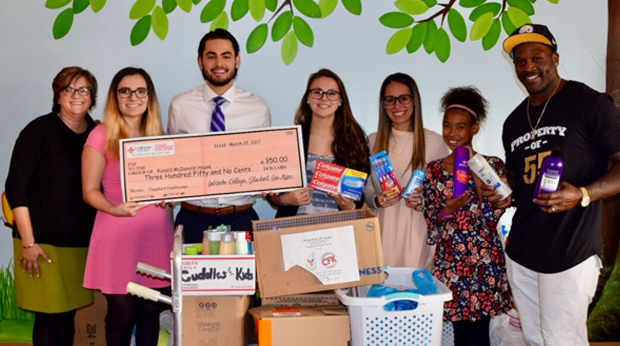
324,245
337,179
218,275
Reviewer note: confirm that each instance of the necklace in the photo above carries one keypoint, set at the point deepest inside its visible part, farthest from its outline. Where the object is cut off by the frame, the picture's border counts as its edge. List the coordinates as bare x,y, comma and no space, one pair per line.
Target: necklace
403,146
529,120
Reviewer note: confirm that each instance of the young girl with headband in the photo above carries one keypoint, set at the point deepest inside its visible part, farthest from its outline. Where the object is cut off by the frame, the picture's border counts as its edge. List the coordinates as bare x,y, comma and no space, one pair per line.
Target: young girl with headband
469,258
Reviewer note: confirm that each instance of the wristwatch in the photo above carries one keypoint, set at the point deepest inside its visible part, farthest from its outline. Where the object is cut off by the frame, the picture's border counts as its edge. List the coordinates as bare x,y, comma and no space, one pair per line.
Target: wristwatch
585,198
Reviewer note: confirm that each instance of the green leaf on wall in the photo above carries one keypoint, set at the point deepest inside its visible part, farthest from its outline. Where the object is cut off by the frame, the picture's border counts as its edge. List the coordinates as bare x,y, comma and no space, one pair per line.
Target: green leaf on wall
257,38
353,6
481,26
396,20
431,34
492,7
418,34
79,6
221,22
524,5
141,8
257,9
288,51
185,5
471,3
97,5
457,25
271,5
211,10
239,9
308,8
553,1
442,45
327,7
160,23
196,2
413,7
509,27
140,31
303,31
518,17
169,5
430,3
54,4
398,41
281,26
63,23
492,37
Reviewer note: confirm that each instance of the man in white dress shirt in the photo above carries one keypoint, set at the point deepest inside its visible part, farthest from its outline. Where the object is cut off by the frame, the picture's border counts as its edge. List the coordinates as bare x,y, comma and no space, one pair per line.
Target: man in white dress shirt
191,112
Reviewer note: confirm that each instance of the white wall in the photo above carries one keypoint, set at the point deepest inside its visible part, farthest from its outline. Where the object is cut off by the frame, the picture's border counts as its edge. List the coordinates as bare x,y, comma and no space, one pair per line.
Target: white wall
352,46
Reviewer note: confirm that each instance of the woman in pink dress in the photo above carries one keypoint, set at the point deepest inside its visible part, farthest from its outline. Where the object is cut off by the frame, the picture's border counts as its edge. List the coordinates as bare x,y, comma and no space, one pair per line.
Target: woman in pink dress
125,233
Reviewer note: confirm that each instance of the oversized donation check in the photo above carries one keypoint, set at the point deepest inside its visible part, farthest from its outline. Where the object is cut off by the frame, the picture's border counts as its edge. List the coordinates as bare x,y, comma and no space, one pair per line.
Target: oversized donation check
185,167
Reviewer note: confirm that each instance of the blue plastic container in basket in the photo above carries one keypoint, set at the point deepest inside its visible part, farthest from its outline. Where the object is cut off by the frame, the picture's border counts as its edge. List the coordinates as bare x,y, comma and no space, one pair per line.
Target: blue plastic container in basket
372,325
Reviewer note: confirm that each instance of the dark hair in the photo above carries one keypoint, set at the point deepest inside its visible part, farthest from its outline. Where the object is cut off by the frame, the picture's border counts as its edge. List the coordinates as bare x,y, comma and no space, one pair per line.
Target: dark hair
63,80
218,34
470,97
382,142
350,142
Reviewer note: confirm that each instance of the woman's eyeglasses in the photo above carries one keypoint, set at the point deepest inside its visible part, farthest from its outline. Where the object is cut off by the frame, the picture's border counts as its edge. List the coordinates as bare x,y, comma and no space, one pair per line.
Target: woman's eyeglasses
69,91
404,99
125,93
317,94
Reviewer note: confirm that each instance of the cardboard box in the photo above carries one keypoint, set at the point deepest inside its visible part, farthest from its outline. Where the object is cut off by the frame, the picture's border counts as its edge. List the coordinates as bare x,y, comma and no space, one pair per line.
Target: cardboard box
218,275
273,281
310,299
325,326
214,320
90,323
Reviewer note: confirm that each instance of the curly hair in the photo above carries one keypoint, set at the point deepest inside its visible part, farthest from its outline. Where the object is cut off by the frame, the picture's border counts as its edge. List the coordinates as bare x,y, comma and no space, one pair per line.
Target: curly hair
470,97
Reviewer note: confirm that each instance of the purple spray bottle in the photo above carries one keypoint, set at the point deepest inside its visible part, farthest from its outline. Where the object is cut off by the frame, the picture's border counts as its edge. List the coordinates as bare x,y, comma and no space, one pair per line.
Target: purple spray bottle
461,171
550,173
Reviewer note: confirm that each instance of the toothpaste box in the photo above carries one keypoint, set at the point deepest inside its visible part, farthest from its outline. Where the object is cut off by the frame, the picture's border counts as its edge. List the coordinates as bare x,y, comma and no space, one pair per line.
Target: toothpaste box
337,179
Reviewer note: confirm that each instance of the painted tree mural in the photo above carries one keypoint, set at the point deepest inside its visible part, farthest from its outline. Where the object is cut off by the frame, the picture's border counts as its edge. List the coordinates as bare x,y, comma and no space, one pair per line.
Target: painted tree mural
418,23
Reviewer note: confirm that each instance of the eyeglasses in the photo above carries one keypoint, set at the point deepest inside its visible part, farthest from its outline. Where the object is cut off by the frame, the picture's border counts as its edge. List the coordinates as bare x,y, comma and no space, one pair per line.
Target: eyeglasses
404,99
69,91
317,94
125,93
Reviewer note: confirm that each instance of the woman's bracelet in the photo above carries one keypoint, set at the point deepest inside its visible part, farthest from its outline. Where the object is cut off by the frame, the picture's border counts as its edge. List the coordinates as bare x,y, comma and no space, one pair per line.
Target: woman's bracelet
29,246
446,216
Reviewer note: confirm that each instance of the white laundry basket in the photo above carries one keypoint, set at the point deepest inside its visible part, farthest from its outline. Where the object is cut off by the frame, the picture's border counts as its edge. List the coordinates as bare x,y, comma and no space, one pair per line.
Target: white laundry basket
372,325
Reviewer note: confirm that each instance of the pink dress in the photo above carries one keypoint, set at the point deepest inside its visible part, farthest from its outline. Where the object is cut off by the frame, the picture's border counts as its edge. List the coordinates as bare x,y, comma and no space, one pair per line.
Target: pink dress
119,243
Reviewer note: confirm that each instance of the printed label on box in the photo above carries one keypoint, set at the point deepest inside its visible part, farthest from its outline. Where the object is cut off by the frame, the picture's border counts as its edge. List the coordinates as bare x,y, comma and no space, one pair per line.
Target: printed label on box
329,254
336,179
218,275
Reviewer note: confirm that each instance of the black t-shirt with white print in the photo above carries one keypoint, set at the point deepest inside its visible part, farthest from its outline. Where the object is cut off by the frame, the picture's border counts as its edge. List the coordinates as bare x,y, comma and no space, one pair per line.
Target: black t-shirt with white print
585,125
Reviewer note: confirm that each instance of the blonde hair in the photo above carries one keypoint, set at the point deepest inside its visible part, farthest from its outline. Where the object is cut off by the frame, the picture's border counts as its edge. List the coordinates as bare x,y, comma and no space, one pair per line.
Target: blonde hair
116,126
382,142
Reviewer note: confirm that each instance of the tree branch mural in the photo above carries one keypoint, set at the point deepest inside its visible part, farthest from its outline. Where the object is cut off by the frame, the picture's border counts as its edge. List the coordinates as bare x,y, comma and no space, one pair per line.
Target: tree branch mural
289,21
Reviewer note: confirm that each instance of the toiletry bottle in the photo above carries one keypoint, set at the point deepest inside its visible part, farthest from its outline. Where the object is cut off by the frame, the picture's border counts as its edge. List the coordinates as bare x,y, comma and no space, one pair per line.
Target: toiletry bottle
205,242
227,246
550,173
416,181
241,245
481,168
191,251
461,171
214,242
248,238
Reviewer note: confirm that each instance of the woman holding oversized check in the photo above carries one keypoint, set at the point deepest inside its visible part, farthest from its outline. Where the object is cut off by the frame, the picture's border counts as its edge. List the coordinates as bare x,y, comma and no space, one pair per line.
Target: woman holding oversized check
125,233
331,134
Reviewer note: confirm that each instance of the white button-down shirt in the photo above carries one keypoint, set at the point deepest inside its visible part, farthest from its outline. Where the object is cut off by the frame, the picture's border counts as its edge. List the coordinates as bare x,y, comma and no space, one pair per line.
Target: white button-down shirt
190,112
